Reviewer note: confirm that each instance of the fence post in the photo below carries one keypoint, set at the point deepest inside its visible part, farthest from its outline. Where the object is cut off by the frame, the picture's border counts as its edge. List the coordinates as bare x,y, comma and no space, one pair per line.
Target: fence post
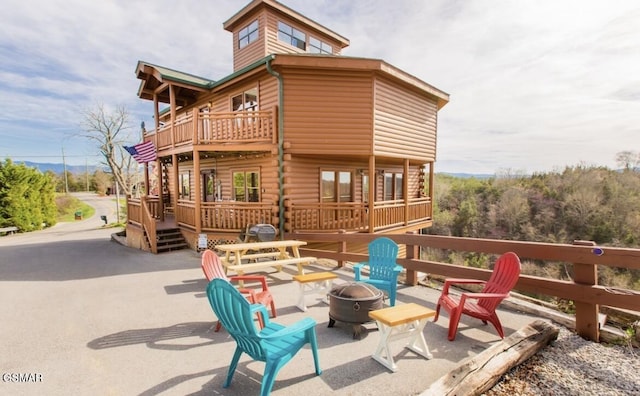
412,253
342,248
587,324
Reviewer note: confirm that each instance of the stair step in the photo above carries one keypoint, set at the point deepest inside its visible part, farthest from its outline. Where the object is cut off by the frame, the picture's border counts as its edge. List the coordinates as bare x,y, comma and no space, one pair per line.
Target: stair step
169,239
172,246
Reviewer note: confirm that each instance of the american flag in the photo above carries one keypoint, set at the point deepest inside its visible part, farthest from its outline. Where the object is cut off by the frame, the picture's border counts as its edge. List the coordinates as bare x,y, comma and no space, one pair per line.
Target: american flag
142,152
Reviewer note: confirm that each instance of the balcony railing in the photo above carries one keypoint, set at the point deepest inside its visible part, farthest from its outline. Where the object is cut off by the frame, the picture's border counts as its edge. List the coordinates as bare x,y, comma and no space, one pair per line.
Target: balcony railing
212,128
352,216
389,214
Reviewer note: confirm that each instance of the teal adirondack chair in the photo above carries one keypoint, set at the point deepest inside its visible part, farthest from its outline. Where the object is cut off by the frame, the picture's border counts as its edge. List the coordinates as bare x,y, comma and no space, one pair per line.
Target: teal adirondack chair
383,269
274,344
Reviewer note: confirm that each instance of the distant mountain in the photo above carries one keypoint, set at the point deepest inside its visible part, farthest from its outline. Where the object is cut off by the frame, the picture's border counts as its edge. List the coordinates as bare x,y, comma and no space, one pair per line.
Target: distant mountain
59,168
468,175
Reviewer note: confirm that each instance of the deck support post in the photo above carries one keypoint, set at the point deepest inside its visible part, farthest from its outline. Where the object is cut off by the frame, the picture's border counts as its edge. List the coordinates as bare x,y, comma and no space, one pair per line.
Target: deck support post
412,254
587,314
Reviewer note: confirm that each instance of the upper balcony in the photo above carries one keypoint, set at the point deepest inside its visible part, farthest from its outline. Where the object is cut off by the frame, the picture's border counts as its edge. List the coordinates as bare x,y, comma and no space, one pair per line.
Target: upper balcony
196,127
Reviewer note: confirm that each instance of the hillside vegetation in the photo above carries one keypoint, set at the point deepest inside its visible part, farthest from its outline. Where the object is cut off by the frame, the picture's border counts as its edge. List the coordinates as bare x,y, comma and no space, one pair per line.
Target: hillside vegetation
579,203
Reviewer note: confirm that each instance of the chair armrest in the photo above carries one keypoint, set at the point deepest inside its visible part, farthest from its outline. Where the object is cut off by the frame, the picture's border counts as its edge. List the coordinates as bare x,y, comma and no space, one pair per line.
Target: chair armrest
398,268
485,295
357,268
459,281
297,327
259,308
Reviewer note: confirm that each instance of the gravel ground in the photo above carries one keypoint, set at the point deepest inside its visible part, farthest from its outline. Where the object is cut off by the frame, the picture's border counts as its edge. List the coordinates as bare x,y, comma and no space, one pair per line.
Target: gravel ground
574,366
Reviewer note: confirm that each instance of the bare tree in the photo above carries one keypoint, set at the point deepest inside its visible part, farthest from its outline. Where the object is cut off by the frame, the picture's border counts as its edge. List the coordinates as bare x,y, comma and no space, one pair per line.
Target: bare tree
110,130
628,159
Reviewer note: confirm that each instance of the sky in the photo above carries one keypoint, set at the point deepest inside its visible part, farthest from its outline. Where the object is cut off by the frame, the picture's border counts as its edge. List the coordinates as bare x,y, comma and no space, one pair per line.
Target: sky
534,85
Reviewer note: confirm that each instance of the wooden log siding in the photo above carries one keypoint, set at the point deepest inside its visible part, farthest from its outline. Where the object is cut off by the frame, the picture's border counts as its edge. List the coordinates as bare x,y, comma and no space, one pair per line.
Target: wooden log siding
250,126
404,122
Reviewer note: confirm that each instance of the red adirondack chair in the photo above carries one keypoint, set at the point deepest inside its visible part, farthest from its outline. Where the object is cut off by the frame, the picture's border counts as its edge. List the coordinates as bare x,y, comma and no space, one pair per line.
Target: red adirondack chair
212,268
481,305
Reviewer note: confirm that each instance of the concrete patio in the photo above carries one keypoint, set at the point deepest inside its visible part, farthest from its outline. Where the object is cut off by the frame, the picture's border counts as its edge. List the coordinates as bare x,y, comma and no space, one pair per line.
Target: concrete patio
95,317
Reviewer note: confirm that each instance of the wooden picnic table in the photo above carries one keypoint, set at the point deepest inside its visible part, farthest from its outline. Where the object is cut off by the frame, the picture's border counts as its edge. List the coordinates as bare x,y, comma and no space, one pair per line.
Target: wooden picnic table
276,251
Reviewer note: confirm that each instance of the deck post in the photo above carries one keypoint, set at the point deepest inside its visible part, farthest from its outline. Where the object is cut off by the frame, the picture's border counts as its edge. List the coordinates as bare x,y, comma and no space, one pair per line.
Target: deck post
342,248
411,253
587,324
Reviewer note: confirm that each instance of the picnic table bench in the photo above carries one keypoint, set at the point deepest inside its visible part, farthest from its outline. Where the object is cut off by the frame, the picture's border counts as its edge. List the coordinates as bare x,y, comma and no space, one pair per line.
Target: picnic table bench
8,230
235,253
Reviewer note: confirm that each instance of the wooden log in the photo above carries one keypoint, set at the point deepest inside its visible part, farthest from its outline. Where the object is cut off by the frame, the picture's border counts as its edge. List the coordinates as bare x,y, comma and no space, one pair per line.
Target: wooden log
480,373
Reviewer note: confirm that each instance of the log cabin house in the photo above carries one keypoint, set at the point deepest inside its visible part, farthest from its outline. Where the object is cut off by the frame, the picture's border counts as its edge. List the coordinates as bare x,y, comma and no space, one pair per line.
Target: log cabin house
298,136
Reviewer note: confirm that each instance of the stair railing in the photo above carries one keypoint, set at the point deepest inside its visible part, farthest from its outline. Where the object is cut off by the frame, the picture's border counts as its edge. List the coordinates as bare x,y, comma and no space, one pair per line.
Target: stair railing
149,226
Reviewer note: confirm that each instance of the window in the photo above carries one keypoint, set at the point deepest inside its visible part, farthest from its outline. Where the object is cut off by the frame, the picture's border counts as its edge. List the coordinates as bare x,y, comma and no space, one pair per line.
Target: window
336,186
246,101
292,36
319,47
208,186
248,35
365,188
185,185
246,186
392,186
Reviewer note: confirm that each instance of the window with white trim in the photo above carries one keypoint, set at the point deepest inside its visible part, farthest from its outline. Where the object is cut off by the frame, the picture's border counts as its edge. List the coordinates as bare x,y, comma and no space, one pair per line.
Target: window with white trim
292,36
248,34
319,47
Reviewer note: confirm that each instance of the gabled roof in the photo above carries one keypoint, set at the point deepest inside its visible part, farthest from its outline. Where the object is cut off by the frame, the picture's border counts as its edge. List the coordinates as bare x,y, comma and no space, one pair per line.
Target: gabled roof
157,78
238,17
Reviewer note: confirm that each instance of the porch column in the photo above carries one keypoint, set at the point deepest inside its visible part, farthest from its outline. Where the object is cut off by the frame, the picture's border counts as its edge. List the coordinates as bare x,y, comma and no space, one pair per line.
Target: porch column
431,184
160,186
197,190
172,107
373,182
176,185
405,190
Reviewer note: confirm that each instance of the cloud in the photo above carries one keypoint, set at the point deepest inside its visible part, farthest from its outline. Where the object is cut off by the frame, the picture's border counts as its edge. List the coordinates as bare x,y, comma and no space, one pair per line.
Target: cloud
535,85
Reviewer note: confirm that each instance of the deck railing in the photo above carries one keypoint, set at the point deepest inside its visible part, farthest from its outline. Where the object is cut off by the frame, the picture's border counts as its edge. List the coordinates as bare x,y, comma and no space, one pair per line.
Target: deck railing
209,128
584,256
232,216
353,216
396,214
224,216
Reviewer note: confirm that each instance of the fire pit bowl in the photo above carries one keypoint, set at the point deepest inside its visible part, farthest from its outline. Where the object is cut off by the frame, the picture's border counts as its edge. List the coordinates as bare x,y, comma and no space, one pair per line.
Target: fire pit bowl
351,303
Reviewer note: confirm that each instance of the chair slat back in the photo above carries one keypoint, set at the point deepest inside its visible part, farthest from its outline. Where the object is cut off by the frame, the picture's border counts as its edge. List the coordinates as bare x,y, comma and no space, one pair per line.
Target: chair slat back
212,266
234,311
503,278
383,253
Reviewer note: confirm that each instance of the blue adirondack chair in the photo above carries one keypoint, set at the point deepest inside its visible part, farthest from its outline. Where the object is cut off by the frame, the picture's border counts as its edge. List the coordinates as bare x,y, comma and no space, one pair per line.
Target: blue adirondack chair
383,269
274,344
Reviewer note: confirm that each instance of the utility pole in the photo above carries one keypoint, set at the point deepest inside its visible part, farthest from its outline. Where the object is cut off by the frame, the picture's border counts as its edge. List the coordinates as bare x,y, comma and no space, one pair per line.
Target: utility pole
64,167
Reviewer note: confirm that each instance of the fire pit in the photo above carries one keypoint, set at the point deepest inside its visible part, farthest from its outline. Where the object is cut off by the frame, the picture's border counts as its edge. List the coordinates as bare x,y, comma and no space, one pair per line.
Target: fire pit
351,303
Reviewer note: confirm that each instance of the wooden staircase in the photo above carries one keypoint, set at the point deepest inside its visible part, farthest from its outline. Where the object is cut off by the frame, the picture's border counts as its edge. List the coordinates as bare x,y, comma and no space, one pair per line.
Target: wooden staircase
169,239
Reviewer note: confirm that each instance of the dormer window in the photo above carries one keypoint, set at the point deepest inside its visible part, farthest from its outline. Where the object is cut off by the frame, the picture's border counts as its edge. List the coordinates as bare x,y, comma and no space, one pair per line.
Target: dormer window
248,34
319,47
292,36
